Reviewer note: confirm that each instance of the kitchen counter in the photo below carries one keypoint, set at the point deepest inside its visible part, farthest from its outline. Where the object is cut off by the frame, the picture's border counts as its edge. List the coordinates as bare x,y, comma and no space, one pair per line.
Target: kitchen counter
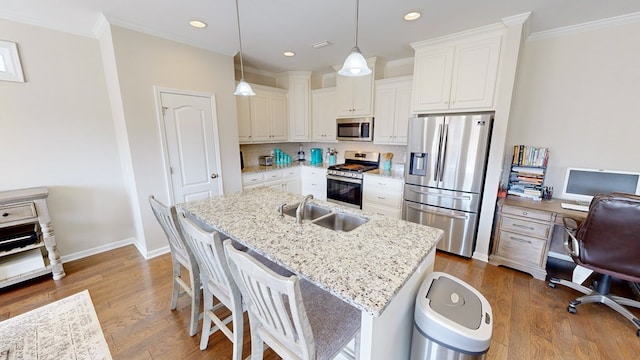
394,174
260,168
377,267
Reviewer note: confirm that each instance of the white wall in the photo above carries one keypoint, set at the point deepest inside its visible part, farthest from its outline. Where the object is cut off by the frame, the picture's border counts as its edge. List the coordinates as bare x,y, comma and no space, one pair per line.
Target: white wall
578,94
56,131
142,62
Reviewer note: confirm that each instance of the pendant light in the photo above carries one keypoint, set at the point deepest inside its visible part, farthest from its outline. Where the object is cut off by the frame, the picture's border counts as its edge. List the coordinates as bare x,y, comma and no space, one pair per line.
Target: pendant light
355,64
243,88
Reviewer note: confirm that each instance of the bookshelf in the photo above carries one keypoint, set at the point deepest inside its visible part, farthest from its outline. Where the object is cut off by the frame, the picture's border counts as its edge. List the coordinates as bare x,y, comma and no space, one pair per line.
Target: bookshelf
528,169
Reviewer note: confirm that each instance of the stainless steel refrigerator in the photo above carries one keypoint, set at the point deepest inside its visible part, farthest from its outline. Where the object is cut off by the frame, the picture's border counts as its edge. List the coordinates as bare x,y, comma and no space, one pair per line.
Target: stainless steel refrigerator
444,176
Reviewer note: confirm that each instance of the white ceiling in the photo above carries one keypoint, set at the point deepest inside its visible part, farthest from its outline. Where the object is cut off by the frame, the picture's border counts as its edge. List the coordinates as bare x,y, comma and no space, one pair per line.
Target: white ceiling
270,27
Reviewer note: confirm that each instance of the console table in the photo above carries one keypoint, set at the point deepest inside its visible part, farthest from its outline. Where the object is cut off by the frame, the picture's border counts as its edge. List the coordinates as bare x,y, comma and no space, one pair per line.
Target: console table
525,232
23,207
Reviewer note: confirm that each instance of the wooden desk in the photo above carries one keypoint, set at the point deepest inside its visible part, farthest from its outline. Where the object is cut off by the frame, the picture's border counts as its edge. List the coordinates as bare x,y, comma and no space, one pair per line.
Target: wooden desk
527,230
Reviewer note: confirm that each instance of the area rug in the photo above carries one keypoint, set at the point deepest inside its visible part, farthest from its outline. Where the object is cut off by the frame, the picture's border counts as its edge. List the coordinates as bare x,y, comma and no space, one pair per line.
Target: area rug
65,329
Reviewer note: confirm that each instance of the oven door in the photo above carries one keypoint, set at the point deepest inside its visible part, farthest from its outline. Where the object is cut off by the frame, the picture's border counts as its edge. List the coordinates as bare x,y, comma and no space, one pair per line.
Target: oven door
344,191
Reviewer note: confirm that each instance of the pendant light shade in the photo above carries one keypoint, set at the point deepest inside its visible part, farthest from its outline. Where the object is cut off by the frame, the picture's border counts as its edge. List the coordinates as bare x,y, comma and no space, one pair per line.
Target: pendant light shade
355,64
243,88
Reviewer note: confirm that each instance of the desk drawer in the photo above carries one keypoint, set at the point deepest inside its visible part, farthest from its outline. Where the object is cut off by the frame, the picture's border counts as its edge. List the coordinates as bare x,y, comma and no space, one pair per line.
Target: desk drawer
15,212
525,227
528,213
519,247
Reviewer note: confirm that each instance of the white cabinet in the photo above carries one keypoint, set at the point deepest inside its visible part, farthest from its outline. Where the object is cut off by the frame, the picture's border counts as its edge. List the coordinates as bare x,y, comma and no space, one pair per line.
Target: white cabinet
456,75
281,179
392,110
382,195
299,95
324,114
354,95
28,248
314,181
263,117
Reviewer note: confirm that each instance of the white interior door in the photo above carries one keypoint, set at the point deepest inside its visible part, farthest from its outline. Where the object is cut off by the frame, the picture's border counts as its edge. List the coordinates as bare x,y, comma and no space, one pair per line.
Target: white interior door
191,135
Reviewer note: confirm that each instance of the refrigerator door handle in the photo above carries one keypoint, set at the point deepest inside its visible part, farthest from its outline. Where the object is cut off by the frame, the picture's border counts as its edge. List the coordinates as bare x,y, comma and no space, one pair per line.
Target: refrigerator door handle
443,152
463,197
463,217
436,174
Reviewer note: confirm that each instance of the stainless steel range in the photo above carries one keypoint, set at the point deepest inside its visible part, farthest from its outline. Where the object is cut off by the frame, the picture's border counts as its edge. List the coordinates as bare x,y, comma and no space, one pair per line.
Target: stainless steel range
344,181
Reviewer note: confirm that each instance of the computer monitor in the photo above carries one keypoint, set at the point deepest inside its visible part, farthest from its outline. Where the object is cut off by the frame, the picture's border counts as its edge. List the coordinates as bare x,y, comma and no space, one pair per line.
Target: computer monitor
582,184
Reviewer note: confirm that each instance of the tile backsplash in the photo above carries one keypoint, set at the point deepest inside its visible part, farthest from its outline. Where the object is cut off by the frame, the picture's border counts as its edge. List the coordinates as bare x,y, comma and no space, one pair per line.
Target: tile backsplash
251,152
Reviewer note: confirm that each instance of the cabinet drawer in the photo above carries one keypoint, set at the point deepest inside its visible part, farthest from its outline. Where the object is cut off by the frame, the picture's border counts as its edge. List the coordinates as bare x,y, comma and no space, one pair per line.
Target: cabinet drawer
291,173
15,212
525,227
528,213
273,175
382,210
380,183
254,178
384,198
520,247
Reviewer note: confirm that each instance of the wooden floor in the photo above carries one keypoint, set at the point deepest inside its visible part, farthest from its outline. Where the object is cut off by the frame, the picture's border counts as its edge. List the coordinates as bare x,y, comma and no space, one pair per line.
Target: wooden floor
132,296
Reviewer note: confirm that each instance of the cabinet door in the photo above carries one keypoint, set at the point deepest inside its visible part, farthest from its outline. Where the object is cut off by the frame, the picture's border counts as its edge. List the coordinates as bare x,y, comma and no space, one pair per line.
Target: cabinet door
385,110
475,73
260,119
324,115
244,119
432,79
344,96
299,109
291,185
278,117
363,95
402,114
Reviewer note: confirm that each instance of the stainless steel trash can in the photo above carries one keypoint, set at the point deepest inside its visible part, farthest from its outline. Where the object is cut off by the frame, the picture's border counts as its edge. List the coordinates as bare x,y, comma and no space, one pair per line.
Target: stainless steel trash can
452,320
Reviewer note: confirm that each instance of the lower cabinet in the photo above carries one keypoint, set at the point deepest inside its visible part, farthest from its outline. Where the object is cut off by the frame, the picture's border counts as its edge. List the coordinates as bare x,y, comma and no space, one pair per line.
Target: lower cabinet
382,195
281,179
522,239
314,181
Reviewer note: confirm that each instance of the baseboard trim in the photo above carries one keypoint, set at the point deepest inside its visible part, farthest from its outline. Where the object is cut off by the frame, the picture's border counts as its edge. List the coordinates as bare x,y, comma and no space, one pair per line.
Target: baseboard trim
163,250
97,250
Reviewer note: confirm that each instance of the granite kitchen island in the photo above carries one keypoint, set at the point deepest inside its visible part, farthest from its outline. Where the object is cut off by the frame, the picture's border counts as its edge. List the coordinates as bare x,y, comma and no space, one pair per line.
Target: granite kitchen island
377,267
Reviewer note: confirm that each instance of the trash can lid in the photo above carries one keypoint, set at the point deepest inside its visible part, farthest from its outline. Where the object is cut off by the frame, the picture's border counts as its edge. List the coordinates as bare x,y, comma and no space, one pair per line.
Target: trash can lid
453,313
455,302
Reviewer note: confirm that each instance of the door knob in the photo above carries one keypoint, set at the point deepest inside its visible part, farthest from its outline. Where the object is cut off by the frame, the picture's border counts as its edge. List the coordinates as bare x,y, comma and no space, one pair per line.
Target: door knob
214,176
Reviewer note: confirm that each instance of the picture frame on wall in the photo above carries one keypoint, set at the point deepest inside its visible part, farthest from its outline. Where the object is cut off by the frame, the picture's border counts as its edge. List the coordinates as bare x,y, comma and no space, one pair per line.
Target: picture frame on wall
10,68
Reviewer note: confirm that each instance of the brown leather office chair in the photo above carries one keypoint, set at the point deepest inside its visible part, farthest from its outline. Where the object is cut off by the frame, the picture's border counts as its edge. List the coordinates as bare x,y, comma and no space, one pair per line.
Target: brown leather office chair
607,242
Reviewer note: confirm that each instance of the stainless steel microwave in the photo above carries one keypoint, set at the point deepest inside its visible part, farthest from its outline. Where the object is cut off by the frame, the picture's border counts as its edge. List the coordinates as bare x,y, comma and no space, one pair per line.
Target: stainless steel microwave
355,129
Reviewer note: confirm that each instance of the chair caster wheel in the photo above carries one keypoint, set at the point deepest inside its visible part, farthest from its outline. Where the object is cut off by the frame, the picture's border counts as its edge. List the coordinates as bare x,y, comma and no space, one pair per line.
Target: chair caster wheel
571,309
552,285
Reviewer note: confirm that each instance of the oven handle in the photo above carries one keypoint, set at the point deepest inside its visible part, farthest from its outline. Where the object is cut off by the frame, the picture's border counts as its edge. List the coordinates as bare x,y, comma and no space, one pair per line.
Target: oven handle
463,197
343,179
464,217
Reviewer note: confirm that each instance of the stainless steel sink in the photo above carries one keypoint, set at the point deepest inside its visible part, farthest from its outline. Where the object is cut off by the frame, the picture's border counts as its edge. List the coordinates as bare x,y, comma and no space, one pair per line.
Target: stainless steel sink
340,222
310,211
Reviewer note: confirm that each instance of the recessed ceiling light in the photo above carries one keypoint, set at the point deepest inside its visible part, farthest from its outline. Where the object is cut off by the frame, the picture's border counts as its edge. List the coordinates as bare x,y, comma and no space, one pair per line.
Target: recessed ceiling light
198,24
289,53
413,15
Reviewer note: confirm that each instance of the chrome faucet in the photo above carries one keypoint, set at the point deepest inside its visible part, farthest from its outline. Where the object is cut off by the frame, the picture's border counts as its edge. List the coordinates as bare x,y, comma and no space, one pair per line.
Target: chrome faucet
300,209
281,209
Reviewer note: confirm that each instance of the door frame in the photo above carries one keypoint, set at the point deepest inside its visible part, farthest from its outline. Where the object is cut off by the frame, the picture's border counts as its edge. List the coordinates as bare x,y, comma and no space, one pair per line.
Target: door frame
157,91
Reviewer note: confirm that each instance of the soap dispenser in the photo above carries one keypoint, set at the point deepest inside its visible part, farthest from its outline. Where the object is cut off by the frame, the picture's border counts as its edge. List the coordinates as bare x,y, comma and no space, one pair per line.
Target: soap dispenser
300,154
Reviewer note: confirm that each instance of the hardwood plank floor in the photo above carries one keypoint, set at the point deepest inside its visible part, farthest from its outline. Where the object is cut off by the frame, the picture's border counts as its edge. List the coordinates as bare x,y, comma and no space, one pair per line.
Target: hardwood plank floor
132,297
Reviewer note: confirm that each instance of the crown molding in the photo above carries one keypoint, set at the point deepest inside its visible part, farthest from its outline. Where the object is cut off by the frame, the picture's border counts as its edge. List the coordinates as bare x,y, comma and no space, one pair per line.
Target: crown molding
167,36
52,25
588,26
100,26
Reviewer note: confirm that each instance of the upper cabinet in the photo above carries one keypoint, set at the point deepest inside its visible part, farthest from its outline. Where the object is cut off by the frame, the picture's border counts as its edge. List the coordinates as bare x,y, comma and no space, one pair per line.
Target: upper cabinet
456,75
354,95
324,114
299,94
263,117
392,110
